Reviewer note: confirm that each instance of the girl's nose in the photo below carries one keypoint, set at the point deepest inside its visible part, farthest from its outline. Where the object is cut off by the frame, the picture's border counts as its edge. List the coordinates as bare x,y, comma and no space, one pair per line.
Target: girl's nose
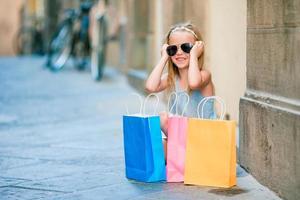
179,51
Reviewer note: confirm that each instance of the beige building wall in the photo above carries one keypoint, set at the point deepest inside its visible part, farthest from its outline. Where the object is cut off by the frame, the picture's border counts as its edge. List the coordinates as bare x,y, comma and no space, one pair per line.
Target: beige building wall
223,26
226,52
9,23
115,13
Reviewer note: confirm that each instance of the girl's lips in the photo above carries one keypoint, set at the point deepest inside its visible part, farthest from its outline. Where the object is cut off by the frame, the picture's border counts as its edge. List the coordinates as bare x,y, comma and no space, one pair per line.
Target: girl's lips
180,59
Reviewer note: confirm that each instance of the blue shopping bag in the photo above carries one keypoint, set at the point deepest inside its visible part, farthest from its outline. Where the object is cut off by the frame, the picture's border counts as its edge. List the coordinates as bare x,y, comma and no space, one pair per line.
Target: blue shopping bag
143,147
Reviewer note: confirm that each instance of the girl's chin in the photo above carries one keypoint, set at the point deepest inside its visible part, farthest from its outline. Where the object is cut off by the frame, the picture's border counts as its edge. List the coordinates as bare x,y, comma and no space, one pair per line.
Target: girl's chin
181,65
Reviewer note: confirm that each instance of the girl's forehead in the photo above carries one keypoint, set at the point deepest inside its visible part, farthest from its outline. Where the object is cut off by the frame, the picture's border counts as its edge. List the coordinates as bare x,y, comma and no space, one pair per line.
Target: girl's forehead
179,37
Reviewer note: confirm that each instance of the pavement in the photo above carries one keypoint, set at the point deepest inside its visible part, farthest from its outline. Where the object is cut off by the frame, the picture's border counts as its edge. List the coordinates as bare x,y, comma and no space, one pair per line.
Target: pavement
61,138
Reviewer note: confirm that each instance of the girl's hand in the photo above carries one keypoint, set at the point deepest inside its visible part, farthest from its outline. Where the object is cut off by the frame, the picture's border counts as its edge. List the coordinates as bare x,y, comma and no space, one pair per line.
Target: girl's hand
197,49
164,51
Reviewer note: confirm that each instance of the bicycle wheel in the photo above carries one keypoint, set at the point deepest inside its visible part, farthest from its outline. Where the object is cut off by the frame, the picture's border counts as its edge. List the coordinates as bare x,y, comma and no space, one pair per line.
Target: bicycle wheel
99,52
97,65
60,48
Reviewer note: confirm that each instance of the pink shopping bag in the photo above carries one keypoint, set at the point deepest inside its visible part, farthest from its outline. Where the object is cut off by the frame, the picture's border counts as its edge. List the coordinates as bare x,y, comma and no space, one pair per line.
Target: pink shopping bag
176,143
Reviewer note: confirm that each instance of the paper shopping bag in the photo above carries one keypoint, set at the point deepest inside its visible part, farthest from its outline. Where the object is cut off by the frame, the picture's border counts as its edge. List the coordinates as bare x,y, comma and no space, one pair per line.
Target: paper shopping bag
211,152
176,143
143,148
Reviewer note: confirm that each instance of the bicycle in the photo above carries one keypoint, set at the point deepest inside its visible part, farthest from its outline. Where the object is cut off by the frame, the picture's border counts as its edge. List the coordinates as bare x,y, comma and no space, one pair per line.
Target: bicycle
71,39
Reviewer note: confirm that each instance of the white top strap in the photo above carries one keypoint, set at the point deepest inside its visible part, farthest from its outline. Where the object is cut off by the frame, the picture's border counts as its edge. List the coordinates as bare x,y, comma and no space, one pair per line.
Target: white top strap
141,102
146,100
186,104
174,103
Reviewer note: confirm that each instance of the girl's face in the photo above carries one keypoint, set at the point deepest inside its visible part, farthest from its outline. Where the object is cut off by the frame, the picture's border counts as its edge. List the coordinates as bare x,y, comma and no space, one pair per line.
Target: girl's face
181,59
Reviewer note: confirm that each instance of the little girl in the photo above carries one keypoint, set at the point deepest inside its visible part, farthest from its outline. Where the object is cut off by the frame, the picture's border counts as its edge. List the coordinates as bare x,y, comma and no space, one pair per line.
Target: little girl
183,53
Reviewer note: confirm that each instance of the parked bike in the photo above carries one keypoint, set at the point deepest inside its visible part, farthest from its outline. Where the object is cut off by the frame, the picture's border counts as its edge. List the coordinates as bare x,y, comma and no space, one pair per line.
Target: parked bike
71,39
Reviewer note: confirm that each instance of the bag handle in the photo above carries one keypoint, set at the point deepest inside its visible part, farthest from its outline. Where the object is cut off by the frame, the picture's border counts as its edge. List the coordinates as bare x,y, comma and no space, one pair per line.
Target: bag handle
185,106
204,101
146,100
174,103
141,102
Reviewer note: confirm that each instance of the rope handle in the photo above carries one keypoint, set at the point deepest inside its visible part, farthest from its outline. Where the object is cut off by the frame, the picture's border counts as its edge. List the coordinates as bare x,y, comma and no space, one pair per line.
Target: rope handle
185,106
204,101
174,103
146,100
141,102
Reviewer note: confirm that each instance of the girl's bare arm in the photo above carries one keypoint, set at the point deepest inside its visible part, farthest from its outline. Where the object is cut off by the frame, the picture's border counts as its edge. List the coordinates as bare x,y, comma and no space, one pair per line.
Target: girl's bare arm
157,82
197,78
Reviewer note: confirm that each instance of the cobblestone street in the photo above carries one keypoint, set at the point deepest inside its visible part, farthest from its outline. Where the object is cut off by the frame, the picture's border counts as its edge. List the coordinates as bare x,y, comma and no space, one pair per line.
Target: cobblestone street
61,138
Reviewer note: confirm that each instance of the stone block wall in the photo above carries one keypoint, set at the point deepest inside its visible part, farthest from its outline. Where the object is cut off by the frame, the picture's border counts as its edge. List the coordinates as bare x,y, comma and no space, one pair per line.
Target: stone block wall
270,108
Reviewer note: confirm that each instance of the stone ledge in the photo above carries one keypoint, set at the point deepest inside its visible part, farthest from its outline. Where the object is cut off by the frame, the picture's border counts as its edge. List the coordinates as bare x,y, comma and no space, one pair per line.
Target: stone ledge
273,101
269,137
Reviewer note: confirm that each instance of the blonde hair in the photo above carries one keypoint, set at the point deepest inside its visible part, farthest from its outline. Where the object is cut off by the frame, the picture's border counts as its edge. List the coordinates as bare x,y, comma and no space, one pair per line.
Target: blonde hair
173,70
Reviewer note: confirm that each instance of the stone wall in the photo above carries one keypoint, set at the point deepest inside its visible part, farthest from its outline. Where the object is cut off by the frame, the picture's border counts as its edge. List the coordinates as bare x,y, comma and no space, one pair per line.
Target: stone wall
270,109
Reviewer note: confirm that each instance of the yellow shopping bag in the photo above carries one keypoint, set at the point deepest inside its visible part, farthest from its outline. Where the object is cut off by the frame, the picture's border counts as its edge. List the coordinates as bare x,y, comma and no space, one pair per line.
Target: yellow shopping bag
210,151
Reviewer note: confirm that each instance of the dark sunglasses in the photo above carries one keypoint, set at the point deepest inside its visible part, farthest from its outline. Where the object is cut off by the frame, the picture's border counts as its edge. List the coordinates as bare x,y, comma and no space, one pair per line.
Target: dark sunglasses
185,47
